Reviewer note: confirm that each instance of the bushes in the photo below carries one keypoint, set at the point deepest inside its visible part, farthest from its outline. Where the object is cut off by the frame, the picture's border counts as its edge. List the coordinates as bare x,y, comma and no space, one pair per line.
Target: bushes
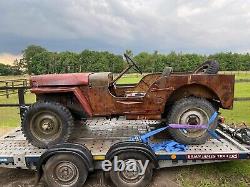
37,60
9,70
188,62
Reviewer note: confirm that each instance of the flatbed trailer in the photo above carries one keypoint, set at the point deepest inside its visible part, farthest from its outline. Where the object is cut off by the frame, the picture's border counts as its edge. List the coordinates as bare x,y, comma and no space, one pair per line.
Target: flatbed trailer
101,139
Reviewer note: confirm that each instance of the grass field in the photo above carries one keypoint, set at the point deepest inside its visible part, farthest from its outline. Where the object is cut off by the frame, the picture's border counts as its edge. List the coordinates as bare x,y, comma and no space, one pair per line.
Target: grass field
228,174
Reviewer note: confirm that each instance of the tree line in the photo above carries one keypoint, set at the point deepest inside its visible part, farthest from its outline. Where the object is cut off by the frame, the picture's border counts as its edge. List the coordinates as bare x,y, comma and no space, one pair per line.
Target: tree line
9,70
38,60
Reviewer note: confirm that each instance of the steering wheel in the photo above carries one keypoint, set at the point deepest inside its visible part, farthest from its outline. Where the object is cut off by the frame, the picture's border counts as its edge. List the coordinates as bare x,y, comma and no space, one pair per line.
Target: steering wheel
135,65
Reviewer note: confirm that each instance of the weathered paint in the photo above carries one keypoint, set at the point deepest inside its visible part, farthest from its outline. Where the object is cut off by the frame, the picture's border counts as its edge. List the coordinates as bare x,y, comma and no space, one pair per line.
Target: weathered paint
73,79
75,90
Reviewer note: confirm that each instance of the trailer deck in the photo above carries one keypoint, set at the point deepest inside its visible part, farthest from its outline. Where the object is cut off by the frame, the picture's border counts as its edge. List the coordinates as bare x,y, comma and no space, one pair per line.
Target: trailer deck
100,134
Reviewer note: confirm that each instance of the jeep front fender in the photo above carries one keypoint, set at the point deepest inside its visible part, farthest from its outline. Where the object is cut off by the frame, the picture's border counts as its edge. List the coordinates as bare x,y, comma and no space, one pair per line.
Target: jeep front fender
75,90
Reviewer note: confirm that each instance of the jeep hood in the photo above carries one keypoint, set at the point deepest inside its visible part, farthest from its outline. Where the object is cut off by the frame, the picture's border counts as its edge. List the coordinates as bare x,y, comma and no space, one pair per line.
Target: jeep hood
69,79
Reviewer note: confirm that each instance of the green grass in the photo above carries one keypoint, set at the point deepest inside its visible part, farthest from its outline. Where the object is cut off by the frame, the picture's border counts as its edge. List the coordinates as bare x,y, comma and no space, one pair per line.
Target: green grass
239,114
242,89
226,174
10,115
238,74
243,75
130,79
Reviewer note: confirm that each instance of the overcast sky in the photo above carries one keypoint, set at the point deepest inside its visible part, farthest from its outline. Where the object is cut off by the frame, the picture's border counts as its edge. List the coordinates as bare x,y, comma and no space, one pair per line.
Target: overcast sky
199,26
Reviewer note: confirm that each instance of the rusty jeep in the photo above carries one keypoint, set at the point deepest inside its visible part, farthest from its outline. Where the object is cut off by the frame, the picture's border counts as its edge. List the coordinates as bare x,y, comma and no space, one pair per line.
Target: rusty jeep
180,98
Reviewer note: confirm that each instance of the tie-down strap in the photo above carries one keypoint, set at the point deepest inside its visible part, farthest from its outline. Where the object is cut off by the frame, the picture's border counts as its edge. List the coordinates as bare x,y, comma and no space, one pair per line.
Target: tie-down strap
171,145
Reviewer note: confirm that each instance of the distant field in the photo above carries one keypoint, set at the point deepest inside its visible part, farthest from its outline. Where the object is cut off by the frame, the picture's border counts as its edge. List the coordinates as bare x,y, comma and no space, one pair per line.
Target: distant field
243,76
238,74
135,78
13,77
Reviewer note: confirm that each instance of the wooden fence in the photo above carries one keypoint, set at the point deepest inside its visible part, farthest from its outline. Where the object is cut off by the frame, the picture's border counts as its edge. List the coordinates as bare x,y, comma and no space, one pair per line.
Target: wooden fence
9,87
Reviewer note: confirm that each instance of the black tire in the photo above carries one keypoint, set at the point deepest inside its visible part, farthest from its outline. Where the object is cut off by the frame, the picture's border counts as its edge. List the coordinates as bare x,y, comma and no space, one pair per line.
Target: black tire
119,178
208,67
47,123
193,111
65,170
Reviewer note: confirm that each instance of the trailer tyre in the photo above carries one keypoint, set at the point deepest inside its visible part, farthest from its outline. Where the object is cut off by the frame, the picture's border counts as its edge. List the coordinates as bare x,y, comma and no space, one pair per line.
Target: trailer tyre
47,123
129,178
191,111
65,170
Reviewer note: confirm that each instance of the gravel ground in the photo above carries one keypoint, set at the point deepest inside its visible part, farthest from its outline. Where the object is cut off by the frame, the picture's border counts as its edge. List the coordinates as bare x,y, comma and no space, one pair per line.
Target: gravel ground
26,178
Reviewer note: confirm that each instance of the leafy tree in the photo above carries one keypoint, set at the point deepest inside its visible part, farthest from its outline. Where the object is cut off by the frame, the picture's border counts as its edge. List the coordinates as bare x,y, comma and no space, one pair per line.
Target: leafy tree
9,70
28,54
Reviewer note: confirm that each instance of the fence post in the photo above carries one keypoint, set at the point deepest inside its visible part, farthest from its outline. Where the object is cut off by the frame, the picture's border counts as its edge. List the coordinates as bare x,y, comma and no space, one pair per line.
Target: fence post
21,101
12,85
74,68
25,84
7,91
48,70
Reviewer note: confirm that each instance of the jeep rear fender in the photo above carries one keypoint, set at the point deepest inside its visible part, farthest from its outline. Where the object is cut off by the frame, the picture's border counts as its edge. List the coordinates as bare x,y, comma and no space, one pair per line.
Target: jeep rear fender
75,90
200,90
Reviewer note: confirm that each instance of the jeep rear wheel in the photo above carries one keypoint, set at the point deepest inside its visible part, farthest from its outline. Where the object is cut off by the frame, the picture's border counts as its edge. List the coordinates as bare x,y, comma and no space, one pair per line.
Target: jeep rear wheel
47,123
191,111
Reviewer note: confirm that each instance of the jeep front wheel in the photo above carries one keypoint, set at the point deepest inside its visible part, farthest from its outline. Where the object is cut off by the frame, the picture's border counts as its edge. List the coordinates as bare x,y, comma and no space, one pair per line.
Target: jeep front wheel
47,123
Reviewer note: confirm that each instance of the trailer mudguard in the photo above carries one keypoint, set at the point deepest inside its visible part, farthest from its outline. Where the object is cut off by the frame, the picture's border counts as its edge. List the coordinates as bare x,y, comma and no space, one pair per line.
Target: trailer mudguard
130,146
76,149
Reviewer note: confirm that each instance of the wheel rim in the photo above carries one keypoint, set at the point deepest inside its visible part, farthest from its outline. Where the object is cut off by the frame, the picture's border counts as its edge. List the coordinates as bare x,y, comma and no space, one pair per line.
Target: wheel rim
202,69
46,126
66,173
131,176
194,116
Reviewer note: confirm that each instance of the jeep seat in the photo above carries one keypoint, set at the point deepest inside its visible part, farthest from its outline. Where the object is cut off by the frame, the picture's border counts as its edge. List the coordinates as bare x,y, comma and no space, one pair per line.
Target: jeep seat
100,79
167,71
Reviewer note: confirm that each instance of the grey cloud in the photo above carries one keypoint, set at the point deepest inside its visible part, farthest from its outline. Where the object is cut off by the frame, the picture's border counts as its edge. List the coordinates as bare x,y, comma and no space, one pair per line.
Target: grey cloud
190,26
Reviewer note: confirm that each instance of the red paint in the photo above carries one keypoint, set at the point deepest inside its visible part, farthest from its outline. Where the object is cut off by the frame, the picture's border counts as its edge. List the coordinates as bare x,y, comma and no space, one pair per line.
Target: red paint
71,79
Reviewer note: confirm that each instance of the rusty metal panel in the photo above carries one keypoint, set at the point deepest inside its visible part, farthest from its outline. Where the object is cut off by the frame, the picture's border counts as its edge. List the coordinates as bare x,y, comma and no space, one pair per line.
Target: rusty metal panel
221,86
76,90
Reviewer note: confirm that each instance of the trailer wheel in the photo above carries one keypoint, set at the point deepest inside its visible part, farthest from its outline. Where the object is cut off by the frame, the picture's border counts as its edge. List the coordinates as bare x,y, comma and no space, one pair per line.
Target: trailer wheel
65,170
132,178
191,111
47,123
